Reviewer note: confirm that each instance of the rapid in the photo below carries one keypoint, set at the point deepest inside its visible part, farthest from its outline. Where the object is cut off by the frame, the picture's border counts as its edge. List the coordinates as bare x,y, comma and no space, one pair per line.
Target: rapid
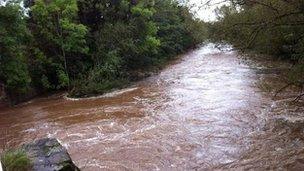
210,109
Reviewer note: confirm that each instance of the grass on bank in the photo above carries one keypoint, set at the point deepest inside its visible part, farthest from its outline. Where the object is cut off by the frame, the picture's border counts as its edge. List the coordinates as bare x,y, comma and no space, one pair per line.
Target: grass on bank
15,160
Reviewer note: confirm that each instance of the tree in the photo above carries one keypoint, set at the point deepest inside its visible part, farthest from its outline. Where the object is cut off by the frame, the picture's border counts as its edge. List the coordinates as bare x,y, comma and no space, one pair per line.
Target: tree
90,46
13,38
127,38
272,27
56,23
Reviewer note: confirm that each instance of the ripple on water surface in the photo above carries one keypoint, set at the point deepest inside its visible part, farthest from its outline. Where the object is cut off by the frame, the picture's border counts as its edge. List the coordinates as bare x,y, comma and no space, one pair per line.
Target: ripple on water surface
205,111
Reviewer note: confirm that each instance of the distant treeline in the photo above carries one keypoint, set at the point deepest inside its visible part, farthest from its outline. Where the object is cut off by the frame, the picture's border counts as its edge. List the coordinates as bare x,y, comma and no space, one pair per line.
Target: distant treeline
274,27
89,46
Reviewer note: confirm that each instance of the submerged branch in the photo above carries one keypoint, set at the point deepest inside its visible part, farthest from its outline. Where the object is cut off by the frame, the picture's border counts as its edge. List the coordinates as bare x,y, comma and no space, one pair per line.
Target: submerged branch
282,89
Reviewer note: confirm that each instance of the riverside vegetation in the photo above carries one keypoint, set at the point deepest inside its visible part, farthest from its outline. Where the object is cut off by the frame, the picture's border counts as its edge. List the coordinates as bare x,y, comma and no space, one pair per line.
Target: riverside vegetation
15,160
89,47
273,27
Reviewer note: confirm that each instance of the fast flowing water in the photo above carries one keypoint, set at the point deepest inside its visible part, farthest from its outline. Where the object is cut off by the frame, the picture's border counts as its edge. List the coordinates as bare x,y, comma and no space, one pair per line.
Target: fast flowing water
209,110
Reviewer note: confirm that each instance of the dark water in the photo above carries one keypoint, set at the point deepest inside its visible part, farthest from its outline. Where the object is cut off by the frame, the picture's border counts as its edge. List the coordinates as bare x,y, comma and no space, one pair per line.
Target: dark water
210,110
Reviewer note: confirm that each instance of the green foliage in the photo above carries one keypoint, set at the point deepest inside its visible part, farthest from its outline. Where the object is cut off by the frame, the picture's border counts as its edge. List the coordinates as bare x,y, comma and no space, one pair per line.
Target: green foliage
178,30
128,37
296,75
55,22
45,82
62,78
13,37
99,80
15,160
90,47
272,27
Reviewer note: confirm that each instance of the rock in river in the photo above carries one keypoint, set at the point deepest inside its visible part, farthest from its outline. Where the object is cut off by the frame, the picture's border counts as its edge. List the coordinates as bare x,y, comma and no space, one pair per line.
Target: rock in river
49,155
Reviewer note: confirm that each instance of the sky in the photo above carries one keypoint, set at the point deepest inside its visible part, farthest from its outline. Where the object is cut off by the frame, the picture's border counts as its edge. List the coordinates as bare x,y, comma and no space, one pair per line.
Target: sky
204,12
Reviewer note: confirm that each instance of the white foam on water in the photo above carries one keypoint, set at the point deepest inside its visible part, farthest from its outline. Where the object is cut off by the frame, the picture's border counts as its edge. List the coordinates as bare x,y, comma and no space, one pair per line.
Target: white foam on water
212,48
107,95
76,134
291,119
30,130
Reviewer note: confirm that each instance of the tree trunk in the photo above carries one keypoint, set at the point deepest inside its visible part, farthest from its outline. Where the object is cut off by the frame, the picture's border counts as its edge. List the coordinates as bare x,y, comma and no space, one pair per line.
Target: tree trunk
60,34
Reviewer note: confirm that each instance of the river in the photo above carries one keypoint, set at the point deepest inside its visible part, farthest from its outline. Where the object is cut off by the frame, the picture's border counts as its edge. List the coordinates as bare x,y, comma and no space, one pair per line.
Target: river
209,110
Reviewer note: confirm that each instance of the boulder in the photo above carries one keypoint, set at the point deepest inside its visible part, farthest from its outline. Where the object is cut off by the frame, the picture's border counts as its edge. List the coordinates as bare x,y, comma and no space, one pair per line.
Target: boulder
49,155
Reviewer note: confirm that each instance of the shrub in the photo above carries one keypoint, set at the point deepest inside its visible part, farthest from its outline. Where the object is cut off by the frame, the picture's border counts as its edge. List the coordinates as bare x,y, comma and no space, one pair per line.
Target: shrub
15,160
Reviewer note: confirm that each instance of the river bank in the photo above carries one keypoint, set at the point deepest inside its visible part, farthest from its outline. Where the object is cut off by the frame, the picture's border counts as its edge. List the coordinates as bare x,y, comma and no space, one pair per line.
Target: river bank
209,110
134,77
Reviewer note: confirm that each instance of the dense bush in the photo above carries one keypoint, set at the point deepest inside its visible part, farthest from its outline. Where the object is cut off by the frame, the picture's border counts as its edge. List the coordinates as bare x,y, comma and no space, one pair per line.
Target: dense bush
13,39
87,46
267,26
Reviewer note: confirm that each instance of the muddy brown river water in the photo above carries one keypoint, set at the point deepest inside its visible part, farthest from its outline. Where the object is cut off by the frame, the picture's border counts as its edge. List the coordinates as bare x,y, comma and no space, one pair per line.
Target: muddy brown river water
209,110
